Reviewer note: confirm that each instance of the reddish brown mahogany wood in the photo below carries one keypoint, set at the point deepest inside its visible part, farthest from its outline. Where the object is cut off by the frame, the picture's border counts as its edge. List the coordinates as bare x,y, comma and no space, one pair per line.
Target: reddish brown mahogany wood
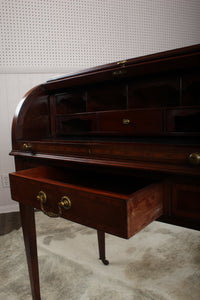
186,202
100,201
102,250
117,140
28,226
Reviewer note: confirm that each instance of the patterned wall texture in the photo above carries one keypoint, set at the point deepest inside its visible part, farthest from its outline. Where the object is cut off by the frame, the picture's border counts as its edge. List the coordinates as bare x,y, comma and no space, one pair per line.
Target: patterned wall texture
56,35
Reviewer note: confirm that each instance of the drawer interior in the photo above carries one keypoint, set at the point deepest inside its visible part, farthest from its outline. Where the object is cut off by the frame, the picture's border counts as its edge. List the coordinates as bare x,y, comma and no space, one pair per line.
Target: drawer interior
100,181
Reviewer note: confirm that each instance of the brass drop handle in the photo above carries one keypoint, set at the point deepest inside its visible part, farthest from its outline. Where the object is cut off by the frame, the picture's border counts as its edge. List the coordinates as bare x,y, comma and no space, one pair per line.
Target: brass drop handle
27,146
64,203
194,158
42,197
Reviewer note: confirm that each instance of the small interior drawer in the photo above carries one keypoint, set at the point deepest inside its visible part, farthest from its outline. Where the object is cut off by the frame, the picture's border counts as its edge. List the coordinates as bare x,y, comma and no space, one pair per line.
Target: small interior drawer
118,204
135,122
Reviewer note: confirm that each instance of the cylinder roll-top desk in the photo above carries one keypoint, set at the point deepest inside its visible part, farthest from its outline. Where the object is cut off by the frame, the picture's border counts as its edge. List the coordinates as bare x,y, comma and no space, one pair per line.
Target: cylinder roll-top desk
113,147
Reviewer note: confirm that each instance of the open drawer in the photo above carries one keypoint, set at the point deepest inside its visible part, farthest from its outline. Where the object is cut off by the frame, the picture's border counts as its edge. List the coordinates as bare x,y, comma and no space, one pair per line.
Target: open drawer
117,204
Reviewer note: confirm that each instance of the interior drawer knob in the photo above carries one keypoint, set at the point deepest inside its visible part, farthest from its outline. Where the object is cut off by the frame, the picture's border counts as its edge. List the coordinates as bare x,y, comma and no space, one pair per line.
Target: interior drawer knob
64,203
27,147
194,158
126,121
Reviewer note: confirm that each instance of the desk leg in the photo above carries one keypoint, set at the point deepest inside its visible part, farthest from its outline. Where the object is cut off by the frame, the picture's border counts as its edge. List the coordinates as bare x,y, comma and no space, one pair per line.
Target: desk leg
101,243
29,232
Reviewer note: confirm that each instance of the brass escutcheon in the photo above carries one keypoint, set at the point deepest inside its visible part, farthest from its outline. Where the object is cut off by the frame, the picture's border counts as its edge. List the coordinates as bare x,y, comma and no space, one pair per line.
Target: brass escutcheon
122,63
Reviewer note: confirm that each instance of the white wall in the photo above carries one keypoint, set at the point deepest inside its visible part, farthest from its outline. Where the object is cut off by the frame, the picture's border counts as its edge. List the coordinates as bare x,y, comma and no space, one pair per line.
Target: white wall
52,35
12,89
41,38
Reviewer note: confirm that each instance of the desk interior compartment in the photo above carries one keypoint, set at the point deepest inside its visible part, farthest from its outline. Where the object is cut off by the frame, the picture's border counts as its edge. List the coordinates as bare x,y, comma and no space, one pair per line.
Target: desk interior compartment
118,204
184,120
79,124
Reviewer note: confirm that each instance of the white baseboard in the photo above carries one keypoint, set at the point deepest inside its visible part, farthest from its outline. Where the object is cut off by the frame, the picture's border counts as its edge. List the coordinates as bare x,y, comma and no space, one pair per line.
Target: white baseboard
9,208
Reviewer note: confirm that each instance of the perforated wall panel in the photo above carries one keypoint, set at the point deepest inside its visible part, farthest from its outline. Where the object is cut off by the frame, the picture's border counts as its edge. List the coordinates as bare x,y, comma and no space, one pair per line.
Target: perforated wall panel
50,35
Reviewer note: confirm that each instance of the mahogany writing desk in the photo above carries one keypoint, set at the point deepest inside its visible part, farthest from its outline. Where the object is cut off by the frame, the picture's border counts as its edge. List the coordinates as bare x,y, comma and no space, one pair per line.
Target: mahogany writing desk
113,148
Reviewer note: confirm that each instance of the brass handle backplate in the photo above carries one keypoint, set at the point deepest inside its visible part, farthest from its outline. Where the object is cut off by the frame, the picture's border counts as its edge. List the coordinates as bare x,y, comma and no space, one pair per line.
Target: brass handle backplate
194,158
64,203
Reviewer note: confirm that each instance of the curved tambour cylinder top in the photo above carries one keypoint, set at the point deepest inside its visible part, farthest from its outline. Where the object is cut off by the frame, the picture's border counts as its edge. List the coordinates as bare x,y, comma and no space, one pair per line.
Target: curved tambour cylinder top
127,104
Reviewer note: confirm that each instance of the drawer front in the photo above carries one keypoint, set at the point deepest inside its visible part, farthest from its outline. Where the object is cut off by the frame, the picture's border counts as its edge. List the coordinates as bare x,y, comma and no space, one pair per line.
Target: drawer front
131,122
179,158
97,211
186,201
117,204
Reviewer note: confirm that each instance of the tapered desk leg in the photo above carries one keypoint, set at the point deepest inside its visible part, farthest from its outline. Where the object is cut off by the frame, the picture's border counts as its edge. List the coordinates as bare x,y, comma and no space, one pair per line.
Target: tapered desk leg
29,232
101,243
